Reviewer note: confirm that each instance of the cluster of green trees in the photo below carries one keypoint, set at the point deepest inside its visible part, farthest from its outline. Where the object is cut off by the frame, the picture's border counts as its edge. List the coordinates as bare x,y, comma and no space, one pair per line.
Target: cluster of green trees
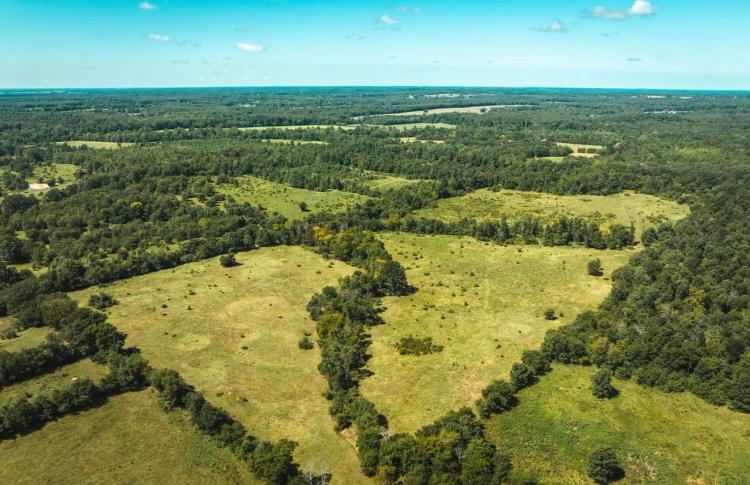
411,345
526,230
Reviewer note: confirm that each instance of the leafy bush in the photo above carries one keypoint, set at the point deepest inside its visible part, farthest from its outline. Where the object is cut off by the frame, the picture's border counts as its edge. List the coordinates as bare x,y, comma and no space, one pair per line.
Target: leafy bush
101,300
411,345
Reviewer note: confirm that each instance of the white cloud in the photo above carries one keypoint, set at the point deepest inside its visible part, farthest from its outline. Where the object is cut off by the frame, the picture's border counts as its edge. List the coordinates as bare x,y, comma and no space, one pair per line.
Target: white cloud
556,27
634,59
247,47
354,37
407,9
146,6
640,8
388,20
159,37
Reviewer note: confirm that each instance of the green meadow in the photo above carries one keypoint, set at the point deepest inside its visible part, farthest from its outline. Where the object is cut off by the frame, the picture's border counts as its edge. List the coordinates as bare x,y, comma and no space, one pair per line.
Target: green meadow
484,303
285,199
639,209
233,334
659,437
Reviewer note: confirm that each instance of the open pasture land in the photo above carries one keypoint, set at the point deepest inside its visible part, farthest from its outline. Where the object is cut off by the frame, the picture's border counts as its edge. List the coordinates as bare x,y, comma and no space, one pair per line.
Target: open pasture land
414,139
60,378
285,141
233,333
640,209
31,337
65,171
298,127
129,439
96,145
581,150
466,109
382,182
484,303
285,200
659,437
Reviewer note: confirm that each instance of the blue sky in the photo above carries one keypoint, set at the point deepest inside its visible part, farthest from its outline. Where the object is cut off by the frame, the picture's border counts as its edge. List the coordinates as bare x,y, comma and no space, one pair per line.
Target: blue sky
679,44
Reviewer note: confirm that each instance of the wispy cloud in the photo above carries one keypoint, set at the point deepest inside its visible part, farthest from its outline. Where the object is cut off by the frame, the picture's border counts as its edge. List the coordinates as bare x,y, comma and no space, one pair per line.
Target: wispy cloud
640,8
247,29
354,37
633,59
407,8
159,37
247,47
386,19
147,6
556,27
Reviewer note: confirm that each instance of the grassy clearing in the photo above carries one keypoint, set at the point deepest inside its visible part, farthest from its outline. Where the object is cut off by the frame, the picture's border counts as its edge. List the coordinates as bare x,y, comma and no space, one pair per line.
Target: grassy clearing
389,182
65,171
659,437
298,127
284,141
31,337
96,145
466,109
640,209
58,379
579,149
414,139
285,200
235,339
485,319
409,126
128,439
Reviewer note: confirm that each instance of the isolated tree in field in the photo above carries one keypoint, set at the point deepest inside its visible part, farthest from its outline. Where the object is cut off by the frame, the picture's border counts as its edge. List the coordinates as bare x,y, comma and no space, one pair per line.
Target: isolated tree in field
603,465
595,267
601,384
228,260
549,314
303,206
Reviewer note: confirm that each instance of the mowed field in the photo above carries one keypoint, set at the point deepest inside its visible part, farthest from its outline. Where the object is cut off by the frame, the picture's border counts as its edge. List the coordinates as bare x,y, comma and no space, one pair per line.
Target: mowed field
485,304
640,209
659,437
96,145
59,379
233,334
285,200
31,337
465,109
129,439
580,150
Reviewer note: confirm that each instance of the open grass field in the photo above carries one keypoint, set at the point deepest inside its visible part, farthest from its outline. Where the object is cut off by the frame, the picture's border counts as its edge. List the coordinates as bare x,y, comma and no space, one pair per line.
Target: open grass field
31,337
127,440
485,304
284,141
579,150
640,209
97,145
414,139
233,334
285,200
659,437
60,378
56,170
466,109
399,126
382,183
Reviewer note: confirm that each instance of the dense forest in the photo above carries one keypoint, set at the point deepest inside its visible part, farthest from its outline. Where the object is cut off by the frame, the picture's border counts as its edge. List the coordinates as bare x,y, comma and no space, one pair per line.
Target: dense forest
677,318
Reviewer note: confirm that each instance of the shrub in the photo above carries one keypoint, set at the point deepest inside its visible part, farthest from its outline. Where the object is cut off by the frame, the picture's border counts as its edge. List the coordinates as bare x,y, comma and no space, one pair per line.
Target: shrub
228,260
603,465
601,384
305,343
536,362
411,345
101,300
595,267
549,314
